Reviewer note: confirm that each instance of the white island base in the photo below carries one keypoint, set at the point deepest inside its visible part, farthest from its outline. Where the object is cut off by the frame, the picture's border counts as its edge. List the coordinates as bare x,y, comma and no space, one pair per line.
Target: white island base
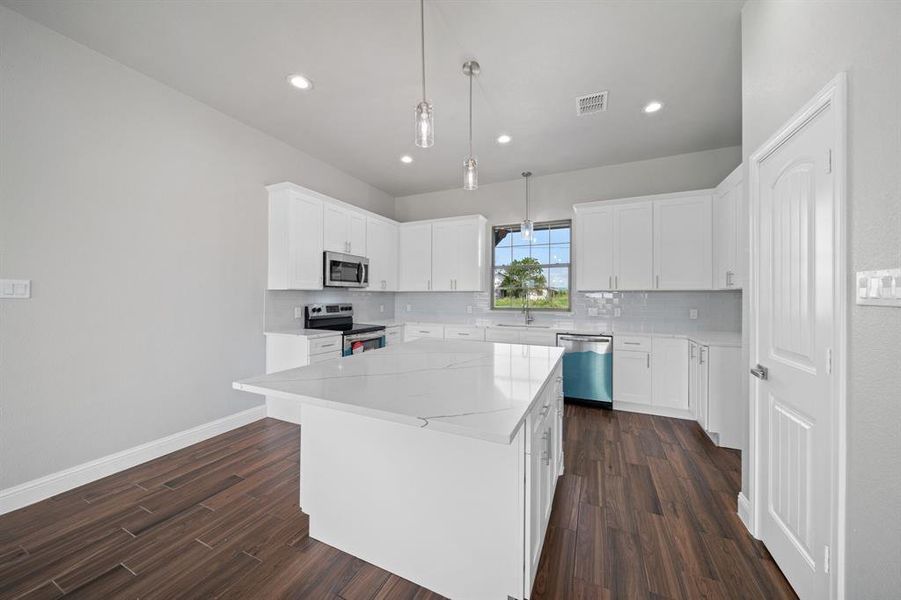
436,461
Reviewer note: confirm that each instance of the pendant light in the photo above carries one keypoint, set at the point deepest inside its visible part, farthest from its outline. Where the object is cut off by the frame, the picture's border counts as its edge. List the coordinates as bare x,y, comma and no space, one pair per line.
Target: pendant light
423,117
470,165
527,227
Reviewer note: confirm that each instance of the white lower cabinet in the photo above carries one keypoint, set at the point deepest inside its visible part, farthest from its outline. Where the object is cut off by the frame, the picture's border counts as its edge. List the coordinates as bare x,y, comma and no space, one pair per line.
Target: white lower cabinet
288,351
530,337
631,376
394,334
544,461
669,366
415,331
464,332
715,386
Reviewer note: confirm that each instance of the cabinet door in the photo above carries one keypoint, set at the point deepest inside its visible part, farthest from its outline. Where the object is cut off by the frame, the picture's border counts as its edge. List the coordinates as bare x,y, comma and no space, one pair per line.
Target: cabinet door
594,249
470,272
415,257
670,373
693,377
535,537
295,242
381,246
683,256
724,245
633,237
501,334
445,255
356,233
703,387
335,229
631,377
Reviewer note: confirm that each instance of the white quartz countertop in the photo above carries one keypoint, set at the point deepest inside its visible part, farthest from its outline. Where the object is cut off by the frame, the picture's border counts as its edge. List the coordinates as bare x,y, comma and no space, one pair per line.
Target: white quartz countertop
476,389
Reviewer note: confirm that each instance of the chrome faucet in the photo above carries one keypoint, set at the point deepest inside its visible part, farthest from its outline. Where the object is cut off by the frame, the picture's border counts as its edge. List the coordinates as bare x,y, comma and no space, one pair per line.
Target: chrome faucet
526,309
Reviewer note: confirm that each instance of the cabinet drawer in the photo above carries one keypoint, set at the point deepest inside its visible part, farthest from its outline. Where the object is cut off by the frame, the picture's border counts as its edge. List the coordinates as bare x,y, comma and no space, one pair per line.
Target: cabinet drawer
632,342
413,332
393,335
326,344
464,332
318,358
538,338
497,334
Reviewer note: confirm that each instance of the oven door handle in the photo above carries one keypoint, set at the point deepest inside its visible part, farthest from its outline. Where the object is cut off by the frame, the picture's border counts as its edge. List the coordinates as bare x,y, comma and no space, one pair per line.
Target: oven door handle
364,337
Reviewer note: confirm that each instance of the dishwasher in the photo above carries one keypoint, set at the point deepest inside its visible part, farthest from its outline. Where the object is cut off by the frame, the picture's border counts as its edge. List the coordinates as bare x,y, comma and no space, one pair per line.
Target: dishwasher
587,368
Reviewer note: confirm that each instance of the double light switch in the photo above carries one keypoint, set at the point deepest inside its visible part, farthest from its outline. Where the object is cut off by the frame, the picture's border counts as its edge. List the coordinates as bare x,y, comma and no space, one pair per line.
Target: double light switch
879,288
15,288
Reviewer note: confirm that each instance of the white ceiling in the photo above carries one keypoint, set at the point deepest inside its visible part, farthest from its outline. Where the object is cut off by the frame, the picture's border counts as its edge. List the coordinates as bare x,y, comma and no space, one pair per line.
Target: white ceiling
363,56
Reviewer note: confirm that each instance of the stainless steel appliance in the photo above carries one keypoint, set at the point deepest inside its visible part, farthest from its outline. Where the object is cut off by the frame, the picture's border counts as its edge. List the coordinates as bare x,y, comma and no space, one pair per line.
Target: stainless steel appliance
344,270
587,368
355,337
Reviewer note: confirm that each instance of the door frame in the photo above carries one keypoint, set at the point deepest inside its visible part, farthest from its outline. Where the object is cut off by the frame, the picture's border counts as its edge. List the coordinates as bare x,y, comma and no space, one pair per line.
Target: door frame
834,95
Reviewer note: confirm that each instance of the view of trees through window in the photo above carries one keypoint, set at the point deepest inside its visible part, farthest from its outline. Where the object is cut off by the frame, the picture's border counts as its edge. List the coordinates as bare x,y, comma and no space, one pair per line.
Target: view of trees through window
532,271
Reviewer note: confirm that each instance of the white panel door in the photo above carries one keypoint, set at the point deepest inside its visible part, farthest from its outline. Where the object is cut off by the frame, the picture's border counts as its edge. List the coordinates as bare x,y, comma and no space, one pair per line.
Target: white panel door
670,372
335,228
683,256
631,377
415,257
794,336
633,238
445,255
381,246
594,249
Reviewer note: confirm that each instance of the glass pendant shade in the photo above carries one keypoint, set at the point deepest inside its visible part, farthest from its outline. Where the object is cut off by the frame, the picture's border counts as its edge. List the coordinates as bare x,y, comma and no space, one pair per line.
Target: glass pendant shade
526,228
423,125
470,174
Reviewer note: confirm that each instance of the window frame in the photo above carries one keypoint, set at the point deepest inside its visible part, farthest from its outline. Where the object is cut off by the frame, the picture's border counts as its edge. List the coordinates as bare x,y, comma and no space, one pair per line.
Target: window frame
516,228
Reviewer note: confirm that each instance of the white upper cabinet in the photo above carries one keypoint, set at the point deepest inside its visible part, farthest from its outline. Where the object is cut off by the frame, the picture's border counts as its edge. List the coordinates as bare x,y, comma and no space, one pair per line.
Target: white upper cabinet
415,257
295,238
683,243
594,248
458,254
381,248
344,230
729,219
633,239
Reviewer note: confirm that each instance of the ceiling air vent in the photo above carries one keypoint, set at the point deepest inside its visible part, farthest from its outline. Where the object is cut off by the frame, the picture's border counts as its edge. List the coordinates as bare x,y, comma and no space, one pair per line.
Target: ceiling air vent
591,103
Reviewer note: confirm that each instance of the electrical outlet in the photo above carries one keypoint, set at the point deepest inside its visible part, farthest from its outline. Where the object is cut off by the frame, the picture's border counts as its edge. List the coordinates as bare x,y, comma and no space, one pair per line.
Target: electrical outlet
15,288
469,310
592,311
692,313
617,311
298,312
409,308
381,308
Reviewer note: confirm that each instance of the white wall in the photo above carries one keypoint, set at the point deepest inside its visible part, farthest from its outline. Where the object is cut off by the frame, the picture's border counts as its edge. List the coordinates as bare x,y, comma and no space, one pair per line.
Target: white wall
140,216
789,51
552,196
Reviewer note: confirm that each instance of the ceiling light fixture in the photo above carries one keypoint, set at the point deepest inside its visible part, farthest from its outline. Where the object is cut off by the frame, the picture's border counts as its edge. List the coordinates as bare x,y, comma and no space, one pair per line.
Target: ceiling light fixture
470,165
526,227
504,139
652,107
406,159
300,82
423,116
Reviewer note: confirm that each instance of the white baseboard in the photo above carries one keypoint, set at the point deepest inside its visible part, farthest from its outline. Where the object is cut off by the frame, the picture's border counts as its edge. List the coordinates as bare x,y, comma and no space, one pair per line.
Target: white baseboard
647,409
283,409
744,512
50,485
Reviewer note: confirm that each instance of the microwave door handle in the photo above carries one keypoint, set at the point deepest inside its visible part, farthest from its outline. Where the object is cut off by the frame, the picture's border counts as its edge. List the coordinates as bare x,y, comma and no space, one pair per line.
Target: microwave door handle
360,272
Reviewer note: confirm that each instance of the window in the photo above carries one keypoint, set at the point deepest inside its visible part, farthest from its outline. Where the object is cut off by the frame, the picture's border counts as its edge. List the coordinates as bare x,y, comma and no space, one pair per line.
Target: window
535,271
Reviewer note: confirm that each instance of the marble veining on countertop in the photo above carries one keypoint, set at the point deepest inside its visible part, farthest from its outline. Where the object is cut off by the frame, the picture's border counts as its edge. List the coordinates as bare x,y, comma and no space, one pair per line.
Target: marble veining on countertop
481,390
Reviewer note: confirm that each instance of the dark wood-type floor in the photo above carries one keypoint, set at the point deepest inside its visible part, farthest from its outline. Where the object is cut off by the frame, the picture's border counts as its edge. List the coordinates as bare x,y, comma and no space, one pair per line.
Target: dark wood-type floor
646,510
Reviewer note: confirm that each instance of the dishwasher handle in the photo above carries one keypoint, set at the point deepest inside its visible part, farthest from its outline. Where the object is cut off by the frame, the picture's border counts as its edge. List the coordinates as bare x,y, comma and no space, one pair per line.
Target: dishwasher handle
584,338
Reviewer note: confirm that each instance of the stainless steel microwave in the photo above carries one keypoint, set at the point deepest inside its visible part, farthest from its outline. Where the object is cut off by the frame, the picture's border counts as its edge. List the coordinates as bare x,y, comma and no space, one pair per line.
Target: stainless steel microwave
345,270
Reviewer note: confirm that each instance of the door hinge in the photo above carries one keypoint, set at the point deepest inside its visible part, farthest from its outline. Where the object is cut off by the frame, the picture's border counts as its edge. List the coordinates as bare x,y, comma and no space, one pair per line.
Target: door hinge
828,363
826,558
829,160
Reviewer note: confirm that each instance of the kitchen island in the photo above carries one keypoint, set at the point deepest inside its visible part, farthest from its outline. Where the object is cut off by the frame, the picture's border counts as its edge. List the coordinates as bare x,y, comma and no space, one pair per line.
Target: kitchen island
435,460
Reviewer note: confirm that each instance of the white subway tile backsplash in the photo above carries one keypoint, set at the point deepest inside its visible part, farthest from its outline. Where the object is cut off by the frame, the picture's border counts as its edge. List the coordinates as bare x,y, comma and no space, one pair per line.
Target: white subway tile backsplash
280,305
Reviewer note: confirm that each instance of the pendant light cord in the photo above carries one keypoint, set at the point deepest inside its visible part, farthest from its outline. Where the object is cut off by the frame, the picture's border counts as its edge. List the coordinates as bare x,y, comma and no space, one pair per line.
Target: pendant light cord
470,114
422,43
527,197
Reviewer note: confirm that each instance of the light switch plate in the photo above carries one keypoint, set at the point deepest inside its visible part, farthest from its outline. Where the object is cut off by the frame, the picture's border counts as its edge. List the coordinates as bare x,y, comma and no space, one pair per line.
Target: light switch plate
692,313
879,288
298,312
15,288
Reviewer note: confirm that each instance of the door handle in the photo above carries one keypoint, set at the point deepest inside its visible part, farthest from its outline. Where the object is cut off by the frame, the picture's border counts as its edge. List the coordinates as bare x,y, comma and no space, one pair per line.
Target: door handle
761,372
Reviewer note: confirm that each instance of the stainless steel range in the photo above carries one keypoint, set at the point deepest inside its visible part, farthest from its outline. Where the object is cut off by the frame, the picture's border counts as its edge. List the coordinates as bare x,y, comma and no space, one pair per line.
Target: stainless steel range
356,337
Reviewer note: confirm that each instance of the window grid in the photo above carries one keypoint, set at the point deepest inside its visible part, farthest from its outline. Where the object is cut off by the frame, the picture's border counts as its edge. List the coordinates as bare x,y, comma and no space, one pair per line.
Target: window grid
550,262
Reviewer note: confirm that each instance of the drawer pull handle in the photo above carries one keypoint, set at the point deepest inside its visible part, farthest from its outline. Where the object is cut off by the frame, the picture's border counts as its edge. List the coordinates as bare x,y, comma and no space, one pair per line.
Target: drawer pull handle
327,345
632,343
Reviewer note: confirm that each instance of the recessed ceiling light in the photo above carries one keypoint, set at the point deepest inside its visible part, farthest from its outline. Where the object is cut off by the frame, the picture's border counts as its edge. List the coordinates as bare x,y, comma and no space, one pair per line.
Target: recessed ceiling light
406,159
300,82
504,139
652,107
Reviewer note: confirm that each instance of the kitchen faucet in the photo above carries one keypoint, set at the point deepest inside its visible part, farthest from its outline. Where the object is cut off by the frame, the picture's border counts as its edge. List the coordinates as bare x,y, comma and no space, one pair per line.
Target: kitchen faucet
526,309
